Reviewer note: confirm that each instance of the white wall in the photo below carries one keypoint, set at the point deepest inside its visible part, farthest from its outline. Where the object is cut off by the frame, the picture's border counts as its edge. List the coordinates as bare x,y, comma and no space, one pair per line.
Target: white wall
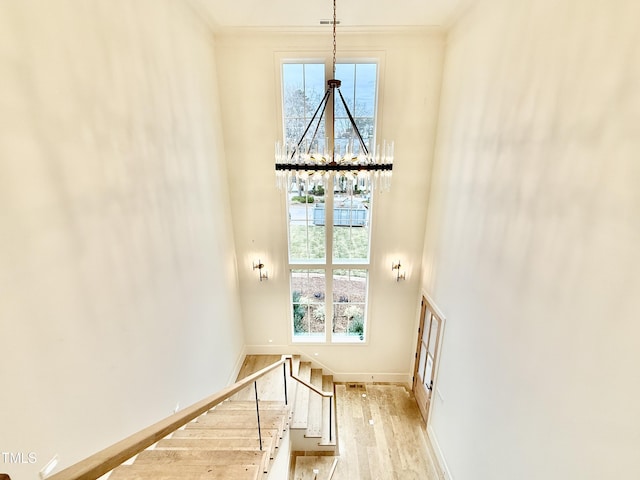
118,290
411,67
532,241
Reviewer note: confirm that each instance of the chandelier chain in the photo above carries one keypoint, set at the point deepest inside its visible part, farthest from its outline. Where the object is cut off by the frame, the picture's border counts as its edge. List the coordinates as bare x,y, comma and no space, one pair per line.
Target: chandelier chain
334,38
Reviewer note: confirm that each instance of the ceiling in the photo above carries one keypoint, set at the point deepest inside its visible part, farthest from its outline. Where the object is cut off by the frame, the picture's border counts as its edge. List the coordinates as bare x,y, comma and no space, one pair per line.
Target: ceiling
350,13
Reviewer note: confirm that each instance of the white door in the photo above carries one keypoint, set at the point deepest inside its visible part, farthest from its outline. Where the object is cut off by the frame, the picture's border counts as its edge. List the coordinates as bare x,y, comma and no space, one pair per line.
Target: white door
426,355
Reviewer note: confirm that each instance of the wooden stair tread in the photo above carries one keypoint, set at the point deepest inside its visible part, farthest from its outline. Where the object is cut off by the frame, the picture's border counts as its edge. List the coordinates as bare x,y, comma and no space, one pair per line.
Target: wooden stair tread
251,405
314,417
327,383
237,419
301,405
166,472
268,444
295,359
242,413
230,434
238,411
200,457
327,386
222,433
237,423
292,385
304,465
209,458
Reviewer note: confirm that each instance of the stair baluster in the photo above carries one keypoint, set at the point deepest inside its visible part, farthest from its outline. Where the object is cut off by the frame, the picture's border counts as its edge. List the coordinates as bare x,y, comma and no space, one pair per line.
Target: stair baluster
284,371
255,388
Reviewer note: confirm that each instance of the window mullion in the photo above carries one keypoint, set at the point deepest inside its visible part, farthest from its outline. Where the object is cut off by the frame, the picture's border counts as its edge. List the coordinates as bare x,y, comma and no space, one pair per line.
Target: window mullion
328,212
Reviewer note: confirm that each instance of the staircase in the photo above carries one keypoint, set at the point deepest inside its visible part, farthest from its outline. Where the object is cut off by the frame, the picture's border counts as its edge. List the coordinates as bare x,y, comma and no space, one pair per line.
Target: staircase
313,423
221,444
219,437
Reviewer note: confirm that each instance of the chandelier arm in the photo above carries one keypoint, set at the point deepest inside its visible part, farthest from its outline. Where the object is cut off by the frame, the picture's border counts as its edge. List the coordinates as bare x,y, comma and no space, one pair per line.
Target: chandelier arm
315,114
353,124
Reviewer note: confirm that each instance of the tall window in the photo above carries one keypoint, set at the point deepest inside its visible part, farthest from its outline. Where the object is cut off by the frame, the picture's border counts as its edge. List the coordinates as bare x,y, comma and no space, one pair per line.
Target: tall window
329,217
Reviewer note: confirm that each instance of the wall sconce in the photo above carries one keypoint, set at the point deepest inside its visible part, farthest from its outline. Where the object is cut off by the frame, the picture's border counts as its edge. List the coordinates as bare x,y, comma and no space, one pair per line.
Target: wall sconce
262,272
400,274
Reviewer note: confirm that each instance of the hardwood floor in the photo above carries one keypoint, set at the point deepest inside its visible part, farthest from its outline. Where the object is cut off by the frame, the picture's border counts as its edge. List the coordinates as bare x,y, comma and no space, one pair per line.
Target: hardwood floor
381,433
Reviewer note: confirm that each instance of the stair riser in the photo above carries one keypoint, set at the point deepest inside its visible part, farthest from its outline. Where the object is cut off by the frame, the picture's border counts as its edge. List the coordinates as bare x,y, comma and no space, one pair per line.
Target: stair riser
300,442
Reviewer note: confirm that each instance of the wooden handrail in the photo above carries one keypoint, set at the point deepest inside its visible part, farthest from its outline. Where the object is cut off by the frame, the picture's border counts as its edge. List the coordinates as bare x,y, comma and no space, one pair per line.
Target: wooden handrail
308,385
333,468
106,460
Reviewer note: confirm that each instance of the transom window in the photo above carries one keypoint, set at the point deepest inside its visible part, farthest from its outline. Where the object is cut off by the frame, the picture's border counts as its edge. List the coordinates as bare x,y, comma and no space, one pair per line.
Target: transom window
329,217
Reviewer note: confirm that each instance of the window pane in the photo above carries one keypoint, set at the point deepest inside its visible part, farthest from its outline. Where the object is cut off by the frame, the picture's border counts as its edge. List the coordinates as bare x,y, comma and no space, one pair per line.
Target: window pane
293,90
306,221
359,92
365,87
350,221
343,130
314,85
432,334
349,301
423,360
345,72
294,128
307,300
303,88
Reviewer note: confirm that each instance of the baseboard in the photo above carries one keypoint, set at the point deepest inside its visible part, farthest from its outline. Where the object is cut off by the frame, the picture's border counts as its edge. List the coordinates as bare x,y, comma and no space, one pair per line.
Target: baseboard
238,366
372,377
437,451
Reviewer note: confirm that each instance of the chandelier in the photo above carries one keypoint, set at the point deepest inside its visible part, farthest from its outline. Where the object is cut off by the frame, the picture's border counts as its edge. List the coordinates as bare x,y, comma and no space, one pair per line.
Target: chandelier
307,158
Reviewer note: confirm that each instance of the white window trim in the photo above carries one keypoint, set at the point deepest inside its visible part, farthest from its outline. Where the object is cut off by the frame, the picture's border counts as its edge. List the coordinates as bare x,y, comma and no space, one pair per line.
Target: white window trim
352,56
